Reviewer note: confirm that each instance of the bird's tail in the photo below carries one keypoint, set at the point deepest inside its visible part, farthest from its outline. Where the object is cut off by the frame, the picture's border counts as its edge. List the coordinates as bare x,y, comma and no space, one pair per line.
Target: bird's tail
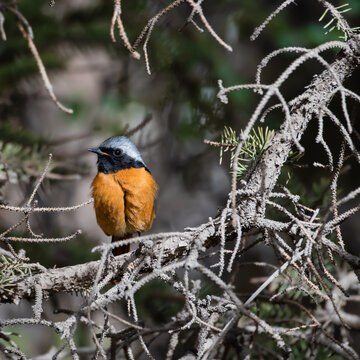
123,249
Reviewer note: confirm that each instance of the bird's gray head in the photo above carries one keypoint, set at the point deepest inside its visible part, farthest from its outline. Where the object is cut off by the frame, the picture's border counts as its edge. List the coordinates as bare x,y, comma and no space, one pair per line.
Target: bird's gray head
118,153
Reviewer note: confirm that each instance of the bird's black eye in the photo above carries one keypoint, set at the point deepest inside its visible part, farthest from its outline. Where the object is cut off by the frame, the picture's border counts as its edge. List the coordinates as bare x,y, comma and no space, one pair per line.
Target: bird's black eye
117,152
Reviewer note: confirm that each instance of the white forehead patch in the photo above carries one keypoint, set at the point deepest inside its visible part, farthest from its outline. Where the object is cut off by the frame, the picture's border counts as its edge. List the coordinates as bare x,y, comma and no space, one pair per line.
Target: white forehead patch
123,143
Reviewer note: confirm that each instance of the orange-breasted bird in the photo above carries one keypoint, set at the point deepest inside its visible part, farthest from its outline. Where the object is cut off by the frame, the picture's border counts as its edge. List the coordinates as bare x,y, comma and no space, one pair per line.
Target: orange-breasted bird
123,190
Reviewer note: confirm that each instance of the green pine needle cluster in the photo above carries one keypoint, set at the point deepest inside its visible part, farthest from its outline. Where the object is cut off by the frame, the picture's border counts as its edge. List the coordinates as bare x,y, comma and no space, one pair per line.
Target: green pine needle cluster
336,23
18,163
21,154
11,268
254,147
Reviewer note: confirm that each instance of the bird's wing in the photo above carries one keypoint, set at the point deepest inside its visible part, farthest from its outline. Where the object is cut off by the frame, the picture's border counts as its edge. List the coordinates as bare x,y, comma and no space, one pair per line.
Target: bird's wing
140,190
109,204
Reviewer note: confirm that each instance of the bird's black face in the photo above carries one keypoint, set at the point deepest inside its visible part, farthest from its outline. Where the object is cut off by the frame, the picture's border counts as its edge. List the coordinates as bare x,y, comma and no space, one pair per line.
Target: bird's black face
111,160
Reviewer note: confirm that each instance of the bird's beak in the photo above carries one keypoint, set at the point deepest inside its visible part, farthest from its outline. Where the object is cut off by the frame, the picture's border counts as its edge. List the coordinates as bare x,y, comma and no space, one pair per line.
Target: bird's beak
99,152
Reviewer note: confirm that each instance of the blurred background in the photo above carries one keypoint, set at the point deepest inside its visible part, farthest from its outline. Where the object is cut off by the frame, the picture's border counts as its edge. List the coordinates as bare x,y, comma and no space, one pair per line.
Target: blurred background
111,94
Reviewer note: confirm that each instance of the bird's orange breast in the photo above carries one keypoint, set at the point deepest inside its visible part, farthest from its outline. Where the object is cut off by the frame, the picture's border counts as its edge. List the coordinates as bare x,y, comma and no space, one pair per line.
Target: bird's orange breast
124,201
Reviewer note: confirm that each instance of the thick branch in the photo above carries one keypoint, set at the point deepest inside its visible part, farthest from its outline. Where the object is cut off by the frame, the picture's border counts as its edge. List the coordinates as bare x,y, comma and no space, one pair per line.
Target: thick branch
80,277
317,96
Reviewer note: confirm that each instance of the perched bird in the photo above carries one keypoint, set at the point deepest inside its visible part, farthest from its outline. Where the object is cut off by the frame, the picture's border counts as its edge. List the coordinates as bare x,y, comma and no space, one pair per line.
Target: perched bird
123,191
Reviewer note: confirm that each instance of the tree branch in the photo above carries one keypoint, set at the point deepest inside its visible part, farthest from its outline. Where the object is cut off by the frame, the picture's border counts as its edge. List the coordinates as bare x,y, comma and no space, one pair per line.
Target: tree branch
261,182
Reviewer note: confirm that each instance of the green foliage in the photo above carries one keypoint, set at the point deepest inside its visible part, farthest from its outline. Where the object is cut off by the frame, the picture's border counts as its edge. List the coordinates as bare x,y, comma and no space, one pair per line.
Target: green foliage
11,133
21,154
283,314
9,270
18,163
254,147
336,22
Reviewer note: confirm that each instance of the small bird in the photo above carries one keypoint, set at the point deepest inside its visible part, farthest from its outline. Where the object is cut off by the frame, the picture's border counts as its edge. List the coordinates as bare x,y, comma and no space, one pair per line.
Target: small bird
123,190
